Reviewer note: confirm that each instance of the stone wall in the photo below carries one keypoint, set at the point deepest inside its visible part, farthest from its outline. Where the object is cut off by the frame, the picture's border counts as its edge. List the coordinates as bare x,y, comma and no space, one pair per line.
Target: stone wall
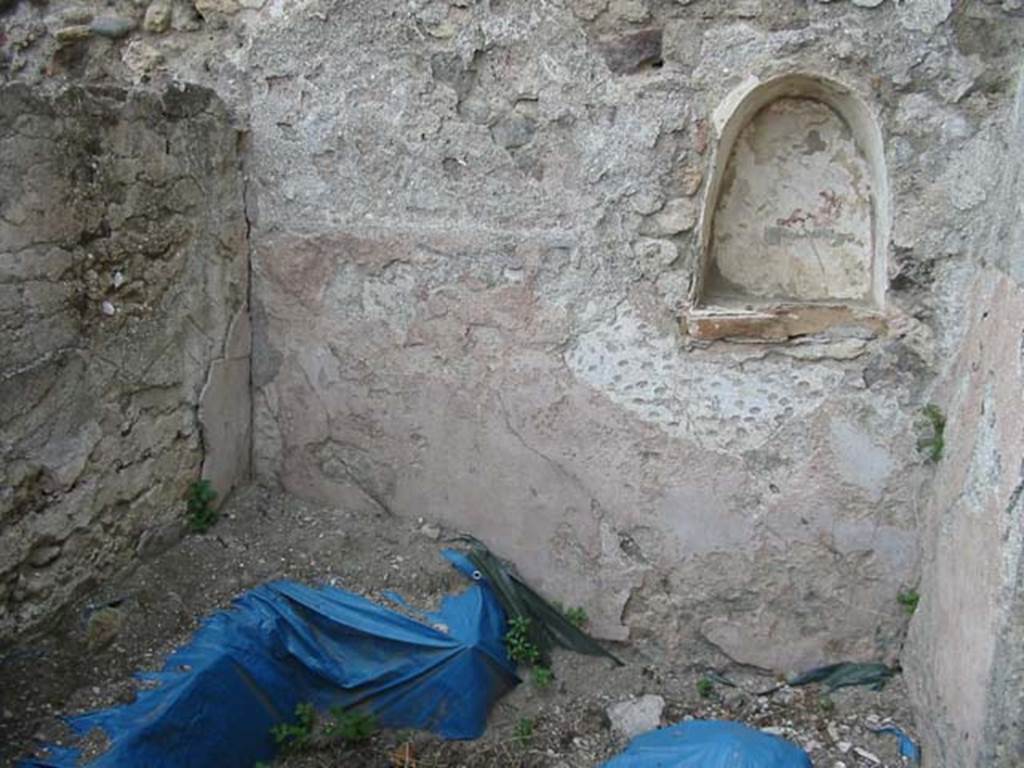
964,650
474,229
474,240
123,282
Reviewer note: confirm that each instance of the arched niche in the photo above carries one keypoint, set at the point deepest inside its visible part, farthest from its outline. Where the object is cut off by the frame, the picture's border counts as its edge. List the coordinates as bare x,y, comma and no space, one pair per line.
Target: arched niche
795,218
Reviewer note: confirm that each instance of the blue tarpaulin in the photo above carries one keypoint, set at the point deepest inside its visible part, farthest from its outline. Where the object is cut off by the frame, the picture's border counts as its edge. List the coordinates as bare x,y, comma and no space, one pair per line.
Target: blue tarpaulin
908,748
710,744
283,644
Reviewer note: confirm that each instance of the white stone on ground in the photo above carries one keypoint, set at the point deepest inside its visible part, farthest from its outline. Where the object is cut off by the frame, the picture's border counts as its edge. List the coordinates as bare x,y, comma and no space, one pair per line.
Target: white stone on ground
635,716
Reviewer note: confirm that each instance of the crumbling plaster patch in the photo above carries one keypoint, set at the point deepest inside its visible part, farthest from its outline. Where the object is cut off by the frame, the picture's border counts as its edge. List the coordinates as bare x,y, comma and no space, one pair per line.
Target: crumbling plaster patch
719,402
861,461
225,410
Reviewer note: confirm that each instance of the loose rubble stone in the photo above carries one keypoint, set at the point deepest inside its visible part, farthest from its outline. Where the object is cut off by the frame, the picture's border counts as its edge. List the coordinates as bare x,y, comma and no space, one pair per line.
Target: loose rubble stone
659,253
103,627
691,178
141,59
75,14
868,756
431,531
157,539
635,716
647,201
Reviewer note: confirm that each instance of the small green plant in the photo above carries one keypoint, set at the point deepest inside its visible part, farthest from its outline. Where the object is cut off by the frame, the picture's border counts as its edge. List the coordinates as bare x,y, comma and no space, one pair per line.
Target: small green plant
351,726
297,736
908,598
523,732
517,640
542,676
705,687
933,443
826,705
578,615
201,514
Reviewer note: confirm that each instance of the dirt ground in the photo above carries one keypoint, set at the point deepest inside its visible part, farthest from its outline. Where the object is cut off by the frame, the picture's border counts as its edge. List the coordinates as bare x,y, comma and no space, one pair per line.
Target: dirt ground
87,658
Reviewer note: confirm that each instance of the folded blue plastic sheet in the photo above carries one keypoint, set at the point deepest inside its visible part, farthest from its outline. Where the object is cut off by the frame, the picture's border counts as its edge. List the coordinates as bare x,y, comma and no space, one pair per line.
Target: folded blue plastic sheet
710,744
908,748
283,644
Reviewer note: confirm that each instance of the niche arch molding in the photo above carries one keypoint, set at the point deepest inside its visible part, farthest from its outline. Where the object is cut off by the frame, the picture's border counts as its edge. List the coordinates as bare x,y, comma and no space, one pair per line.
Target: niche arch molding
780,317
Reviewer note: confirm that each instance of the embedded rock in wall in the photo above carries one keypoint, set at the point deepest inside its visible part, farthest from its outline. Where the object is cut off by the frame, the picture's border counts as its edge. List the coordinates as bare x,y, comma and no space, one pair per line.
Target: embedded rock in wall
123,263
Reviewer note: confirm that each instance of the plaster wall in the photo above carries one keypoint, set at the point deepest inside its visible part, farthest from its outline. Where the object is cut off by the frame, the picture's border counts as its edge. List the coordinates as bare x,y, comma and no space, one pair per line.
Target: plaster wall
472,249
963,653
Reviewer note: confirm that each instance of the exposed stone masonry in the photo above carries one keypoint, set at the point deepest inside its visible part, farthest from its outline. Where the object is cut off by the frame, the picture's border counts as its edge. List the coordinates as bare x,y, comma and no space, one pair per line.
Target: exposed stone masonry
124,264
